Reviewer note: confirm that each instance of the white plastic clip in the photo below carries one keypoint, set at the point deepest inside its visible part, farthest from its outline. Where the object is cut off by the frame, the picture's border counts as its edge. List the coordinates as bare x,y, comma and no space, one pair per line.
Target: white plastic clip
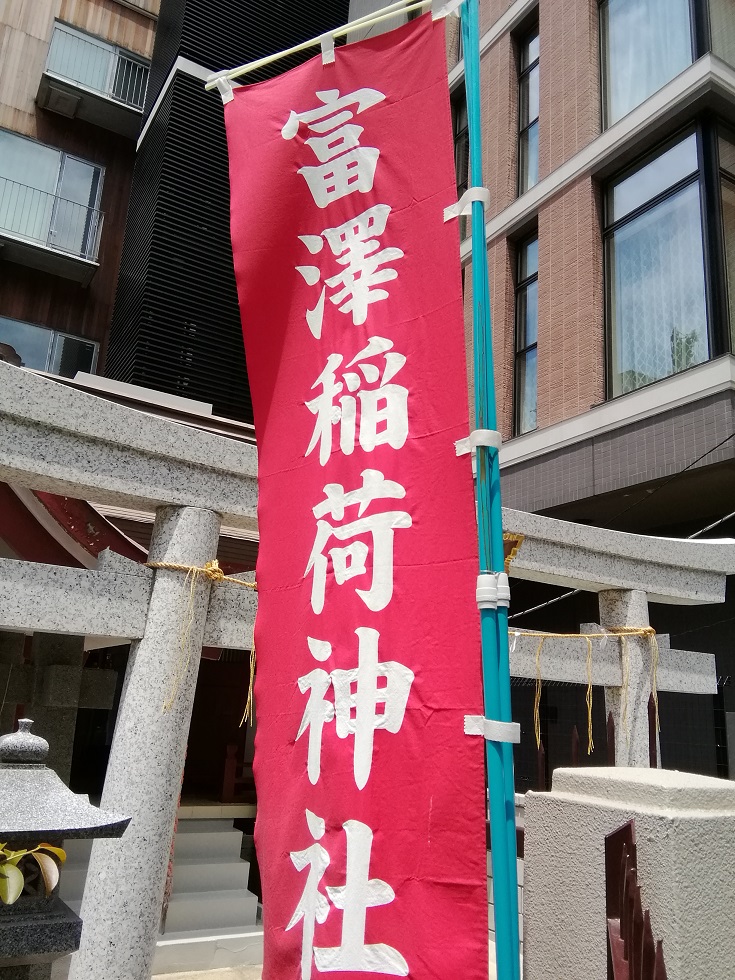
439,9
492,731
464,204
493,590
486,593
478,437
225,90
327,43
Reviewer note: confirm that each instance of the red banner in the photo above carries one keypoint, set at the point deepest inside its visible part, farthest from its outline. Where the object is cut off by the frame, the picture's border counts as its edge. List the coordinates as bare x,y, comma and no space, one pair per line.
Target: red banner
371,813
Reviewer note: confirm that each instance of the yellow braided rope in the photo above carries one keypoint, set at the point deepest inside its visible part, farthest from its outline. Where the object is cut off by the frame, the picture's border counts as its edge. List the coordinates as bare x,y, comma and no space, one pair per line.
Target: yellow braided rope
537,698
590,743
213,573
623,632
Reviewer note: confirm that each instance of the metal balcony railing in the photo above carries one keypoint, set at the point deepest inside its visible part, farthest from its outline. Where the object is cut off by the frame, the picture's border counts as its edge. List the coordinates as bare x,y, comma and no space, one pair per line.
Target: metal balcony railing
49,220
104,68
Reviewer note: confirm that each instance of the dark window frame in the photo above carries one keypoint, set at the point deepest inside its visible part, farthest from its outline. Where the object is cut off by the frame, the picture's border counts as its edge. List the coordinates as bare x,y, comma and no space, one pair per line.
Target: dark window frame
523,73
520,353
701,44
707,176
461,136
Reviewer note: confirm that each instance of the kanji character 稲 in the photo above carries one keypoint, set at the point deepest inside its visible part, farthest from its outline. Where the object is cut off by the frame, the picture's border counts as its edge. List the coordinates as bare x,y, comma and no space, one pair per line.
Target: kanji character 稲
383,415
345,166
351,561
355,246
356,692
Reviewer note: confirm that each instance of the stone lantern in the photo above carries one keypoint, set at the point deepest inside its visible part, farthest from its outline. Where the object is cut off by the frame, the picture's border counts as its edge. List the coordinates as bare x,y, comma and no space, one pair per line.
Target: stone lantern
37,808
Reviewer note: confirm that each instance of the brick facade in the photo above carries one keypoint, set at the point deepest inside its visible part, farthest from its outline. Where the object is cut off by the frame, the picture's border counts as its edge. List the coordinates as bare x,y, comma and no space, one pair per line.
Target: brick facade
499,107
569,66
570,331
490,11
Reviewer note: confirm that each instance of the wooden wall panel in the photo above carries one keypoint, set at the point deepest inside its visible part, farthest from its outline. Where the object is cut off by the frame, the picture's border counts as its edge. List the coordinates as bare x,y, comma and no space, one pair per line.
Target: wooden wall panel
111,21
25,34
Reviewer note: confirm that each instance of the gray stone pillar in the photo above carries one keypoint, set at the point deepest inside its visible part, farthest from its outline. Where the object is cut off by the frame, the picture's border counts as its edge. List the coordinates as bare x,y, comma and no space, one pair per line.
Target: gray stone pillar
629,704
121,908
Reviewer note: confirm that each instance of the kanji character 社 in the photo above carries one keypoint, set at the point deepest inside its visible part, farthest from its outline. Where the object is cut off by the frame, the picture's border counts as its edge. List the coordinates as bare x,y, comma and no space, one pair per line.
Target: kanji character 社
358,894
351,561
356,692
383,416
345,166
355,245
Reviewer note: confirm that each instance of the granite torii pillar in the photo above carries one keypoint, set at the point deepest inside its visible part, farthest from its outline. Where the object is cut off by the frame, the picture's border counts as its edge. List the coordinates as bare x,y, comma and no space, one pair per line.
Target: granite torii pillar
121,907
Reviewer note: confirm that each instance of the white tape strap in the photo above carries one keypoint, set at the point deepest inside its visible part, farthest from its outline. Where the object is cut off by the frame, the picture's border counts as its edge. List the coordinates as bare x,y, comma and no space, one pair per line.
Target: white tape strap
492,731
478,437
464,204
225,90
327,43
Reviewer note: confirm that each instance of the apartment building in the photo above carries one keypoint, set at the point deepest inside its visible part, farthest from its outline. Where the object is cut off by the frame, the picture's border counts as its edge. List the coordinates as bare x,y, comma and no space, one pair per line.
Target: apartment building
73,78
609,153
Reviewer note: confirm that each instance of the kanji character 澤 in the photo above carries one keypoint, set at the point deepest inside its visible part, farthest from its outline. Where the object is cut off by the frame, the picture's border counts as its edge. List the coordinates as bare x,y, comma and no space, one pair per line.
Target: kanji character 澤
356,247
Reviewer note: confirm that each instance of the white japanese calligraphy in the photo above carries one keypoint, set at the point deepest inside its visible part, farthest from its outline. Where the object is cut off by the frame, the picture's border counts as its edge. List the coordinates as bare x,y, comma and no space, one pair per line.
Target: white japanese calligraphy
356,692
356,247
351,561
383,416
346,166
354,898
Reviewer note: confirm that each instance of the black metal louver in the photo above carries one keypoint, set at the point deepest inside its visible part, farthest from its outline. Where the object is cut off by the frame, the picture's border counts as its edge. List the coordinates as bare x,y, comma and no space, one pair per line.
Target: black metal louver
176,323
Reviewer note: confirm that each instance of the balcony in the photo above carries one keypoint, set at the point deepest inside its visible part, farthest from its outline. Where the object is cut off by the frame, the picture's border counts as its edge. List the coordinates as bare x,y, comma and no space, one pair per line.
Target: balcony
86,78
47,232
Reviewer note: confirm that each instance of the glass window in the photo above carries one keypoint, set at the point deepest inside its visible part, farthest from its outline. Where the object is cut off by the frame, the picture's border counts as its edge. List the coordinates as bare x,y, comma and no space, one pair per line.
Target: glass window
526,336
656,298
80,58
461,149
48,196
722,25
645,43
528,100
27,345
727,184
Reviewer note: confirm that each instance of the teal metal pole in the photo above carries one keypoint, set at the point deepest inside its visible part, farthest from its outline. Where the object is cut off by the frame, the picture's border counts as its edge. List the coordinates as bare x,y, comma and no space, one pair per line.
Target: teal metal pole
493,622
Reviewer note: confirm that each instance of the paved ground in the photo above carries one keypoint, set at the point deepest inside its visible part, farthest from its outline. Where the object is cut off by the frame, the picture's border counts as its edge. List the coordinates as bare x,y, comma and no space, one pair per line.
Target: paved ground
244,973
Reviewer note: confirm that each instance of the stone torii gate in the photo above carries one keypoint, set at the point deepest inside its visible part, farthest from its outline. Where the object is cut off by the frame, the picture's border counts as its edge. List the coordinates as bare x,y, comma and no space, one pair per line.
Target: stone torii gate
626,570
64,441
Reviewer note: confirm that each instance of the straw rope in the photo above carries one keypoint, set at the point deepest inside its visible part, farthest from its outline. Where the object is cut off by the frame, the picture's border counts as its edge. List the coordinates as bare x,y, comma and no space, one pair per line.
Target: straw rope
213,573
624,632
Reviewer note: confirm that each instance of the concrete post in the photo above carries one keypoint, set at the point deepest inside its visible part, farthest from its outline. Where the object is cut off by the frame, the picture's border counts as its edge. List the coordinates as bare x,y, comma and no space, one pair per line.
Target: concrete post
684,825
121,908
629,703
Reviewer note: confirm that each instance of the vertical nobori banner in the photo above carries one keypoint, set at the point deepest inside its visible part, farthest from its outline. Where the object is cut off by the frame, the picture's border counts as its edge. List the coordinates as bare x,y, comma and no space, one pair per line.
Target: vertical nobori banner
371,799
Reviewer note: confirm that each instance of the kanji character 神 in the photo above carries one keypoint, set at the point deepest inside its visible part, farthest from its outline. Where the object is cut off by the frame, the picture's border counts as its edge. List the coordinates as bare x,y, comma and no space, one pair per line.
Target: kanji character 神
351,561
354,898
356,691
356,247
346,166
383,416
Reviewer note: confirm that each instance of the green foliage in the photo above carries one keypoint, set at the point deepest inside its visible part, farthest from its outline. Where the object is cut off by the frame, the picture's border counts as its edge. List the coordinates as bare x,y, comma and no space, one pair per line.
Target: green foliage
46,856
